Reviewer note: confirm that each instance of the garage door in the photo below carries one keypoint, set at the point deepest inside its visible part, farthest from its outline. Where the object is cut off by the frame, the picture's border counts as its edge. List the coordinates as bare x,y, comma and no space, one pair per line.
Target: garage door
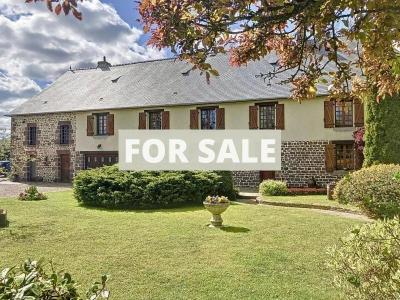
100,159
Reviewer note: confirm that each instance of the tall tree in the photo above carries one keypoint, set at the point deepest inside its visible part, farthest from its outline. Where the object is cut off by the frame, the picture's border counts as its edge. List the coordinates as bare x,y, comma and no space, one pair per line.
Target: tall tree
359,37
306,35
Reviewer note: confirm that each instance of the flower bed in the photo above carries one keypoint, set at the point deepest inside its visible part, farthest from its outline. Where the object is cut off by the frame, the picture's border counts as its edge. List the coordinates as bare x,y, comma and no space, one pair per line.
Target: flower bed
307,191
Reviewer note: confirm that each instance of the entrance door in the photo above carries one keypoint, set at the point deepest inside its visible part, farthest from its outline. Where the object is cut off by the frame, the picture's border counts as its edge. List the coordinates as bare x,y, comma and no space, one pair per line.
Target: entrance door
264,175
31,174
65,163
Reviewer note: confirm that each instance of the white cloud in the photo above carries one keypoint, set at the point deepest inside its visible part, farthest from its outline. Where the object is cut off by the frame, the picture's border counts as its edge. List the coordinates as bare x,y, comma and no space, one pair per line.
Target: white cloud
39,46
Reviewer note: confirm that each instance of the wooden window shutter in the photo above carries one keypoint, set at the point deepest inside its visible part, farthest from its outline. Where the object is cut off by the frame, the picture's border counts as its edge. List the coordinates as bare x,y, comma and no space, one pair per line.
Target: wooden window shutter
329,109
280,116
194,119
90,126
220,118
110,124
253,117
142,120
330,161
358,113
165,119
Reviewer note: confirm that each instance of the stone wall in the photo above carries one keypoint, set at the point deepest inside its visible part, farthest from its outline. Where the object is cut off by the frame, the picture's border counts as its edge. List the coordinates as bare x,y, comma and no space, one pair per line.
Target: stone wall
246,178
46,152
301,161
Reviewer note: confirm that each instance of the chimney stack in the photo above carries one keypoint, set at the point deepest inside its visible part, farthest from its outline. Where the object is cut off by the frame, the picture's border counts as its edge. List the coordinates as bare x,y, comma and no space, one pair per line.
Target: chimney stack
104,65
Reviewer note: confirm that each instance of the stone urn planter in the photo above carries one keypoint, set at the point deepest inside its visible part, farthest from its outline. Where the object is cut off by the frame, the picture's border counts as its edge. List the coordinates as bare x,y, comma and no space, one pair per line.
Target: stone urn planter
216,206
3,218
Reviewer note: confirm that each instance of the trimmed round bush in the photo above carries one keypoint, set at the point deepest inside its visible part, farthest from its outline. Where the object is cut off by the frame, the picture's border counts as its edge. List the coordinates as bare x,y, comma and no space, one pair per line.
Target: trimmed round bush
111,188
273,188
375,190
366,263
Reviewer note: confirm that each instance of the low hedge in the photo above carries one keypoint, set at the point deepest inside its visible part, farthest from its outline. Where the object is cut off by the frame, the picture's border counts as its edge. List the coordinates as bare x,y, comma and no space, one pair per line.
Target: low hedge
273,188
374,189
108,187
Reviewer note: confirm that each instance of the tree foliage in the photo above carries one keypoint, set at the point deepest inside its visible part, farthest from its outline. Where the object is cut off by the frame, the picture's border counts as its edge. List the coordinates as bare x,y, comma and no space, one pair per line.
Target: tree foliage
306,35
58,6
33,281
366,263
5,149
382,135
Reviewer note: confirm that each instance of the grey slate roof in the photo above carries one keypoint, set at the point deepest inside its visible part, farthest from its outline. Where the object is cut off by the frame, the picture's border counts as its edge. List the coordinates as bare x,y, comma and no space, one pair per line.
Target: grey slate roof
156,83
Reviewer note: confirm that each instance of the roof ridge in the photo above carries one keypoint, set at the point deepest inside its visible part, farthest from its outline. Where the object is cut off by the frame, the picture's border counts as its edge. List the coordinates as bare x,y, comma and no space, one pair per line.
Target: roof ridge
126,64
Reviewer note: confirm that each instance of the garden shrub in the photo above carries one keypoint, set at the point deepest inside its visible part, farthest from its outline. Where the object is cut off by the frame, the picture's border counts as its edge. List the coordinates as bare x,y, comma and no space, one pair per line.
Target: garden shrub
3,172
382,135
366,263
32,194
30,281
273,188
112,188
374,189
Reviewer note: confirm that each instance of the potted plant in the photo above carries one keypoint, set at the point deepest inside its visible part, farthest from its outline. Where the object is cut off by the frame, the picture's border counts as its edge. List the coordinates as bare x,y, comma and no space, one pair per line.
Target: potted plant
216,205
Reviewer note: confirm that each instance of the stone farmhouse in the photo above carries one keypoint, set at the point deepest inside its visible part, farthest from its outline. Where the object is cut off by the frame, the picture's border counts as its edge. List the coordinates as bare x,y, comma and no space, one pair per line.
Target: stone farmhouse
73,124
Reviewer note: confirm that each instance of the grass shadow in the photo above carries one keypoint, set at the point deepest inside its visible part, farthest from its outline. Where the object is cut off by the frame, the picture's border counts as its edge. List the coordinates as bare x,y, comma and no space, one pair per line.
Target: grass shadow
235,229
188,208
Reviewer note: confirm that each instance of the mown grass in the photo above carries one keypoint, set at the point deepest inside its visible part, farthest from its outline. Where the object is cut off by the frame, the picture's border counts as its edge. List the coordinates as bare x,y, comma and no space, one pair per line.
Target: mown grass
264,253
312,200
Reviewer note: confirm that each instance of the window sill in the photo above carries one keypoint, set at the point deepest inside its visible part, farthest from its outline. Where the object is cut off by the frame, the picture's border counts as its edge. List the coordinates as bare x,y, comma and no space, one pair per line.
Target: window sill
344,129
101,136
342,172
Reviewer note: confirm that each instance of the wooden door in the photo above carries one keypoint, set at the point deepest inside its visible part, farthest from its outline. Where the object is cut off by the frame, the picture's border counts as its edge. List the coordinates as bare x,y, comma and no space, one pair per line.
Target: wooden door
65,163
31,171
264,175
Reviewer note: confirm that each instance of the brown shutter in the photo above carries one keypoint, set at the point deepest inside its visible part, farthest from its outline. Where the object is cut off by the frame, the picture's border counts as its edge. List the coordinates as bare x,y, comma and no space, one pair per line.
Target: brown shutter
220,118
253,117
330,163
280,116
142,120
165,119
194,119
90,126
110,124
329,121
358,113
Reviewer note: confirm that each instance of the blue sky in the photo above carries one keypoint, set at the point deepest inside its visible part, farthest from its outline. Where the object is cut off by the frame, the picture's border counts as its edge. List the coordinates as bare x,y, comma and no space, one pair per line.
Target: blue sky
37,46
127,10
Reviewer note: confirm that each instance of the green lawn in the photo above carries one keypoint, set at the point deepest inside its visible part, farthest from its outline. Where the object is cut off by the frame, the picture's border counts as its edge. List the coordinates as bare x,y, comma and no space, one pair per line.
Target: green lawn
320,200
266,253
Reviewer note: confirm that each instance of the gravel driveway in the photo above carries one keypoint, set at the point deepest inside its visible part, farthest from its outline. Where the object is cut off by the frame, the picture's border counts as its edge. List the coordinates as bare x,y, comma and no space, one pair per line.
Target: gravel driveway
12,189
